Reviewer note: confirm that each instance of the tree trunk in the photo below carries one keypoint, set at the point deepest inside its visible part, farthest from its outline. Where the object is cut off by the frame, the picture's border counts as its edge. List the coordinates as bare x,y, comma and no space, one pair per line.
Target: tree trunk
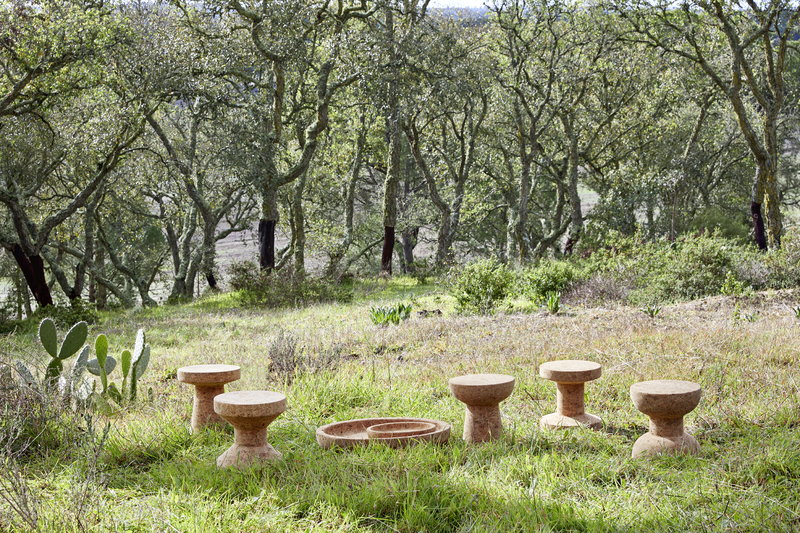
299,228
408,240
266,228
101,293
576,213
756,211
773,212
388,249
32,268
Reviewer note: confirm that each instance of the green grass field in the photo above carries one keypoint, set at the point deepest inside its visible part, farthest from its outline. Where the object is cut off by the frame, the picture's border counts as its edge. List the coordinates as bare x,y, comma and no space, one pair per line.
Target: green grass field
152,475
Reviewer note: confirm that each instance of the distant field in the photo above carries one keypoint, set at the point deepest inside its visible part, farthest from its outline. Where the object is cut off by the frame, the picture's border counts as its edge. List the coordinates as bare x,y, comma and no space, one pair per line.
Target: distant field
155,476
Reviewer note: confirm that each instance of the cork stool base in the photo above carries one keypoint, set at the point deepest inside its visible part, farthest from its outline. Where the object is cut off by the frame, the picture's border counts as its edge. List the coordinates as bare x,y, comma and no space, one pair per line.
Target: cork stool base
666,402
482,393
570,376
249,412
209,381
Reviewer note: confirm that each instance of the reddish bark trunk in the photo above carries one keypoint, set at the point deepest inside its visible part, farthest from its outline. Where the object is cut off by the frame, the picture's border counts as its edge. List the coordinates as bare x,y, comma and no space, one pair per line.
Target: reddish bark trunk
32,268
758,225
388,249
266,244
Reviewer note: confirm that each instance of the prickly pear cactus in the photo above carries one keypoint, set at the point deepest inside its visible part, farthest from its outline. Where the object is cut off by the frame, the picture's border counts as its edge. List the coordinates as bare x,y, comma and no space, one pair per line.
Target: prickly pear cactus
72,343
140,360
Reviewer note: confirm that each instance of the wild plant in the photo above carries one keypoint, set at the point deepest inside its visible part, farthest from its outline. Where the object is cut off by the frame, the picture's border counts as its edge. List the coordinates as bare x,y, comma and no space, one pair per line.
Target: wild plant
553,302
394,314
651,310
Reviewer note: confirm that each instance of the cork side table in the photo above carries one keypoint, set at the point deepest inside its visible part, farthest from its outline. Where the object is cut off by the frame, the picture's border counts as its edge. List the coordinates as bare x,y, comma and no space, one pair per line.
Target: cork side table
666,402
249,412
208,381
570,377
482,393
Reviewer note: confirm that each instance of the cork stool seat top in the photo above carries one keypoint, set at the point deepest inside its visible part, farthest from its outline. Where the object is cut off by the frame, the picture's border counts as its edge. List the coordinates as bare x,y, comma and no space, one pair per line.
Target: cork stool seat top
570,376
250,404
665,397
482,389
665,402
570,371
208,374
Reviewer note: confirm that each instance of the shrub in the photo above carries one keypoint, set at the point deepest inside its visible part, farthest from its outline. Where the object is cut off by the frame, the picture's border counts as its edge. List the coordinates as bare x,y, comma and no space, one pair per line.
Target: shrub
784,264
481,285
547,277
282,288
65,315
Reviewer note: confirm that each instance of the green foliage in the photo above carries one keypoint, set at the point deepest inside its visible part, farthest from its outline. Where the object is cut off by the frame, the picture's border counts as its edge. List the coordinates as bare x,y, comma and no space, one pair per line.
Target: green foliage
796,311
732,286
547,277
481,285
65,315
720,222
282,288
553,302
689,268
651,310
392,314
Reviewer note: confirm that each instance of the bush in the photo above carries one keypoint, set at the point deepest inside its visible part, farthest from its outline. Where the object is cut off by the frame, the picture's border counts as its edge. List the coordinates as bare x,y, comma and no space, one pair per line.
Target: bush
548,277
481,285
784,265
692,268
281,288
65,315
662,271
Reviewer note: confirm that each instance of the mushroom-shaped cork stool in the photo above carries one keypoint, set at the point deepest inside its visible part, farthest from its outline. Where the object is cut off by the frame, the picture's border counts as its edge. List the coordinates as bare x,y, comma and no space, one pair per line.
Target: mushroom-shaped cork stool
570,376
665,402
209,381
249,412
482,393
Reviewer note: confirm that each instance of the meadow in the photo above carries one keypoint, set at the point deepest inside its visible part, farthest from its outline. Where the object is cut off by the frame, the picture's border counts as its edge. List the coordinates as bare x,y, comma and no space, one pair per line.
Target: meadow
141,469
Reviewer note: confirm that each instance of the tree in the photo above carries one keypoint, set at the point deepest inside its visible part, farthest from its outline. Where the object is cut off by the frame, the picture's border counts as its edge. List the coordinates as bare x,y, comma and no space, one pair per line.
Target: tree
294,38
748,69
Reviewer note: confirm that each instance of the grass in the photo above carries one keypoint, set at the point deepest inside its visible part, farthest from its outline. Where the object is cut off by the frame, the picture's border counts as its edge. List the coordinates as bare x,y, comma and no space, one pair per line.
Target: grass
153,475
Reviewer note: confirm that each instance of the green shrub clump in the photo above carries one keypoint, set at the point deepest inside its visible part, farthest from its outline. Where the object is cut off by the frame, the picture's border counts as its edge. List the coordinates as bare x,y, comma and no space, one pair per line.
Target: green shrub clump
481,285
283,288
548,277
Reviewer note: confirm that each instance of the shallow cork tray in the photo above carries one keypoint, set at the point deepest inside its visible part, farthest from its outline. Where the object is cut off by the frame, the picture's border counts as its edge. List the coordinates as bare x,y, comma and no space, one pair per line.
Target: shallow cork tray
350,433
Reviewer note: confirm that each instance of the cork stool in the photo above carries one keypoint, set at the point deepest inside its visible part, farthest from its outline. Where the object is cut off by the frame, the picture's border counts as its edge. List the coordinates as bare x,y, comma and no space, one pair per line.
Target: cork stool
482,393
208,381
570,376
249,412
665,402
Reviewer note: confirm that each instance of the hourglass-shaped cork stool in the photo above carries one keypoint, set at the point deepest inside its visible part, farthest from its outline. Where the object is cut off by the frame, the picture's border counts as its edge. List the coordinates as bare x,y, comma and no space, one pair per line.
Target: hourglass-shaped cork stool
209,381
482,393
665,402
249,412
570,376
